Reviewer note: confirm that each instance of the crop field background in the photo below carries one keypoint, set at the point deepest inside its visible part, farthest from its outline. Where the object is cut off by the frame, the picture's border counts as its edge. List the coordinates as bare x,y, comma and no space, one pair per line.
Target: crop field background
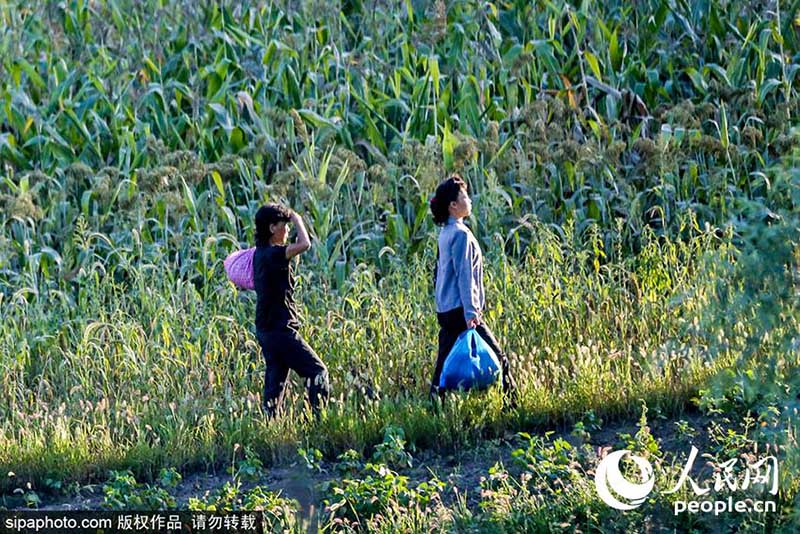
635,173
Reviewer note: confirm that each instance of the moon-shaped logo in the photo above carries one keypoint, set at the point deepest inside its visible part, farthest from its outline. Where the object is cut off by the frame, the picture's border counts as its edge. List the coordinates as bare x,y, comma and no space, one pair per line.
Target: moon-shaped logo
608,476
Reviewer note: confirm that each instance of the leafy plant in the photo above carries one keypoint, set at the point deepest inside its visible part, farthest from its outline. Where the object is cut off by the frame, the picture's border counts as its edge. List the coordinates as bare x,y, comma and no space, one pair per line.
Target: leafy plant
550,466
350,462
250,468
378,491
312,458
392,451
122,492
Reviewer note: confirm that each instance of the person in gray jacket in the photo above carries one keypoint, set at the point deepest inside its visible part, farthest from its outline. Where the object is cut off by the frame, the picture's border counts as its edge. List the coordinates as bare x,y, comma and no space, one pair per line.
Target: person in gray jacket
458,279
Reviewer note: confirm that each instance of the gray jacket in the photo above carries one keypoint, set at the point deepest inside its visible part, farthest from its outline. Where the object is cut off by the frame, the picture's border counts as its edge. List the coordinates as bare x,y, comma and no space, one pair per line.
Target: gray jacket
459,276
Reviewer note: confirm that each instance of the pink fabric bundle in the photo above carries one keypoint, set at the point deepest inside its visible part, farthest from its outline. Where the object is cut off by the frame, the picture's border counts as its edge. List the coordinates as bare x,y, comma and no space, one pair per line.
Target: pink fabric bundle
239,267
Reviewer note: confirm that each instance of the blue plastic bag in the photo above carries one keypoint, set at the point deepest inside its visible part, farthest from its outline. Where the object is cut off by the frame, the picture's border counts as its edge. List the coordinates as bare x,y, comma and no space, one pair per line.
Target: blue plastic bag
471,364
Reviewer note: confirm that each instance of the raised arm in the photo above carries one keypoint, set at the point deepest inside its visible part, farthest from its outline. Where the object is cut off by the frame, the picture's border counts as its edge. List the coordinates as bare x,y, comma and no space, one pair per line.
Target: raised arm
302,243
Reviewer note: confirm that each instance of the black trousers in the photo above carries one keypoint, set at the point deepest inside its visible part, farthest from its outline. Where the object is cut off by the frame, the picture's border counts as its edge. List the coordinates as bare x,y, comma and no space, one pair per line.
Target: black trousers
284,350
451,325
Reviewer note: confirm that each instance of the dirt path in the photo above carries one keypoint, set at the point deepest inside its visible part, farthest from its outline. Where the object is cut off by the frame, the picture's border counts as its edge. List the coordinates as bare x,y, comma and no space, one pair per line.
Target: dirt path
461,469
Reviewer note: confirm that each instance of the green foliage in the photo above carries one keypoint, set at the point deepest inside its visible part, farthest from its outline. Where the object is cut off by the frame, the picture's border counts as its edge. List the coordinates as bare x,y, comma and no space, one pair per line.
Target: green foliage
250,468
169,478
685,430
349,462
226,498
637,208
535,500
312,458
30,498
280,513
550,466
376,491
122,492
392,451
555,115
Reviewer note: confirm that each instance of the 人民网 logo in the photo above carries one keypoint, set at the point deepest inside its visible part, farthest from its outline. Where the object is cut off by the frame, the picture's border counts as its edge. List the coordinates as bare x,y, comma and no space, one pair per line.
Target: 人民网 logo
717,498
608,478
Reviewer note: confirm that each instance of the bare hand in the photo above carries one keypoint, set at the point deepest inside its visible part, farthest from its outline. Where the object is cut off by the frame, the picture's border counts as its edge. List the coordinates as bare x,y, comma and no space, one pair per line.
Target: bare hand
472,323
302,242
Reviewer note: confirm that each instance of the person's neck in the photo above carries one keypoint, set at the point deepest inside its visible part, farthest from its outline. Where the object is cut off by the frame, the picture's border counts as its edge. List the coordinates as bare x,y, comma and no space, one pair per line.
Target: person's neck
456,219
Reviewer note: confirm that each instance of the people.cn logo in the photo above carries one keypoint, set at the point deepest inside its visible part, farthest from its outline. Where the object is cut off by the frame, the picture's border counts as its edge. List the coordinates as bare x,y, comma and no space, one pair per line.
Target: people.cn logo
608,478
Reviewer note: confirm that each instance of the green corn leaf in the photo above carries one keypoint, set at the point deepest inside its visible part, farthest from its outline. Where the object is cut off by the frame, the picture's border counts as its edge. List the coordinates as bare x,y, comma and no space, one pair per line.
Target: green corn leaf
697,80
591,59
152,66
237,138
189,200
292,86
449,144
222,116
34,76
410,12
214,84
512,54
218,182
468,107
503,148
433,70
723,129
767,88
615,53
8,148
373,134
315,119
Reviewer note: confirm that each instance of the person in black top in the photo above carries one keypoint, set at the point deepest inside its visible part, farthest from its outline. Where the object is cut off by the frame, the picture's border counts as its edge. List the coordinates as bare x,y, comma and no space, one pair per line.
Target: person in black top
277,322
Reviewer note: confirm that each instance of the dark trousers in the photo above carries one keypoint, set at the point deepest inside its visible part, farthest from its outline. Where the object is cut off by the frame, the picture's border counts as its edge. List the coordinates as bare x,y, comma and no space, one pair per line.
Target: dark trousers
451,325
284,350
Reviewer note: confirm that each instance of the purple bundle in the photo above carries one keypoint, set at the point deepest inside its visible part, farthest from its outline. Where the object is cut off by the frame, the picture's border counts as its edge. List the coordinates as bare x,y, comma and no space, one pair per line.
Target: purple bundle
239,267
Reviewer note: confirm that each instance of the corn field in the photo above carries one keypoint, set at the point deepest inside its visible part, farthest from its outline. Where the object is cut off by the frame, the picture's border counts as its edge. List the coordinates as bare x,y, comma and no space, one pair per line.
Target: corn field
634,173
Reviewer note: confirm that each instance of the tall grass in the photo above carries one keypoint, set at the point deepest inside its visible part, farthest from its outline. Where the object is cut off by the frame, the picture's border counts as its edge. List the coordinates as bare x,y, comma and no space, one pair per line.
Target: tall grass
135,366
619,156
